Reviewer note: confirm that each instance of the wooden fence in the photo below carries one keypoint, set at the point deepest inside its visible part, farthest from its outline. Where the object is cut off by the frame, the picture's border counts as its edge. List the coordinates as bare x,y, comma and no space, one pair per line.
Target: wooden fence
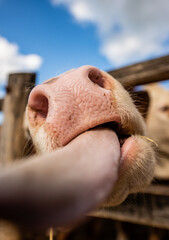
12,141
149,208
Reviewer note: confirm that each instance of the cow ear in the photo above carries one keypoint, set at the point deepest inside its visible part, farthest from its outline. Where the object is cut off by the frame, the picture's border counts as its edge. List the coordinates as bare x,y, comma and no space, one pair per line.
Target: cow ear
154,90
142,101
152,86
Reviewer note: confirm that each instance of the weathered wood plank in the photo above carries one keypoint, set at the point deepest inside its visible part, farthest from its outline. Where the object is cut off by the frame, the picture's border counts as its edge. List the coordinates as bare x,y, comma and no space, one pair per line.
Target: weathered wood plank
145,209
145,72
12,137
157,189
1,103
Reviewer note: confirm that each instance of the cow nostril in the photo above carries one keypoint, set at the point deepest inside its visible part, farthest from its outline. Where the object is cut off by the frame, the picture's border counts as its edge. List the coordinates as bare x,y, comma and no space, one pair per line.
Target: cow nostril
96,77
39,104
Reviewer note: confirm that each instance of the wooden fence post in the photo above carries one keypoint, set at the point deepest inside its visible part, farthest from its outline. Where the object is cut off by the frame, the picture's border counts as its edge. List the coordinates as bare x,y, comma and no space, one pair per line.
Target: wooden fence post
12,136
1,104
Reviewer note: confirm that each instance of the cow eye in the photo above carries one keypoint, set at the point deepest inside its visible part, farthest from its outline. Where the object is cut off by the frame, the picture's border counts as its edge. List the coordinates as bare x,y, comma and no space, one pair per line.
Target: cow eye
165,108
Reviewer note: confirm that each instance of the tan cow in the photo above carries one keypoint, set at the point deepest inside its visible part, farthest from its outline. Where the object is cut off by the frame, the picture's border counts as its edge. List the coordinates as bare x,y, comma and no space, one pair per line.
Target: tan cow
158,127
94,149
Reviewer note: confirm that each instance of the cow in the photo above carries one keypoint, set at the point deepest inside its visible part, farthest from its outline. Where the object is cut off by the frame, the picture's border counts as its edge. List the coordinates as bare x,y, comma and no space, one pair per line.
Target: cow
92,150
157,127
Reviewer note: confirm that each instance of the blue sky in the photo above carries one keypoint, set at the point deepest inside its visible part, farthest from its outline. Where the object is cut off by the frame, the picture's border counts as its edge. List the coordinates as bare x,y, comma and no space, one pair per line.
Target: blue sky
51,32
53,36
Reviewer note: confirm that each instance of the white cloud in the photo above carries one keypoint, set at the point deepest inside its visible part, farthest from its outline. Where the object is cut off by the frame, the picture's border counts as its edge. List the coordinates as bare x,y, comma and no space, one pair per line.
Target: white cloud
130,30
12,61
130,49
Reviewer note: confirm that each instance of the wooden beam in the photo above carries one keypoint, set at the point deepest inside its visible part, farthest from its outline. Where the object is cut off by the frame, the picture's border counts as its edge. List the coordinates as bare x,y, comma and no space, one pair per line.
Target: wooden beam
1,103
142,73
149,208
12,137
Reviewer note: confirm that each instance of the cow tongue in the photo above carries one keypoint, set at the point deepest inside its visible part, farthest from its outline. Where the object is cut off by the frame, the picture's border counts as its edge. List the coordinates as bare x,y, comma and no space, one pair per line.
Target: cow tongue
59,188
